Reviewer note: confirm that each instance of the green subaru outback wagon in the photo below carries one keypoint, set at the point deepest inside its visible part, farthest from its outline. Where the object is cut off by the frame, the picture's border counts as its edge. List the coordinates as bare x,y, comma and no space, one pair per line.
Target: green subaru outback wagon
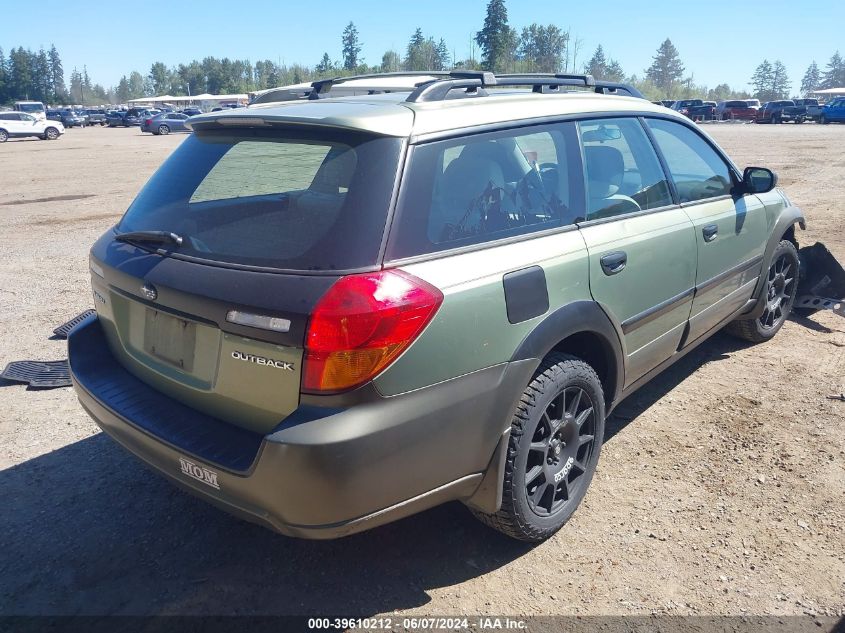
327,314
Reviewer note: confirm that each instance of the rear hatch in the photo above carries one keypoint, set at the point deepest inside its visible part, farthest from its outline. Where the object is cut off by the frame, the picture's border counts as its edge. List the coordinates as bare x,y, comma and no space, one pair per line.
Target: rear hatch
257,225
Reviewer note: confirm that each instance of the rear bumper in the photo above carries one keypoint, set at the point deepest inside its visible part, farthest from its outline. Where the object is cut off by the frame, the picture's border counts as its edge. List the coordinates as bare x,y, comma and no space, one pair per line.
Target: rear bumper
323,472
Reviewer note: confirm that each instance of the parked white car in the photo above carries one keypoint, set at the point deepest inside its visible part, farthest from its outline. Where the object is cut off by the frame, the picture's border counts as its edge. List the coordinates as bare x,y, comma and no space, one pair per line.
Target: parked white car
20,124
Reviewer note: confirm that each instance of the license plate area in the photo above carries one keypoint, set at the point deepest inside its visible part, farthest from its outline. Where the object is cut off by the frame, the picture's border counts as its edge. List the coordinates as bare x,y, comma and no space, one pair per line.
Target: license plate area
170,339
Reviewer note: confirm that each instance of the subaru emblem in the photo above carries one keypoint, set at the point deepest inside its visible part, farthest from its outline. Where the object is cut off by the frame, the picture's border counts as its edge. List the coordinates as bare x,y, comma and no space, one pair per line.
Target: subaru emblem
149,291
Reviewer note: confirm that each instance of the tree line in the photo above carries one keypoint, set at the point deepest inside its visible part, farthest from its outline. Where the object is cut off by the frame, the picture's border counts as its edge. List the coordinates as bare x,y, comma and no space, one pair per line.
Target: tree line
501,48
771,81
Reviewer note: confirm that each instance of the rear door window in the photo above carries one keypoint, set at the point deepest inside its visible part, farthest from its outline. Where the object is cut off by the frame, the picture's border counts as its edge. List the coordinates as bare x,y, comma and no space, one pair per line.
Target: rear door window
699,173
486,187
293,200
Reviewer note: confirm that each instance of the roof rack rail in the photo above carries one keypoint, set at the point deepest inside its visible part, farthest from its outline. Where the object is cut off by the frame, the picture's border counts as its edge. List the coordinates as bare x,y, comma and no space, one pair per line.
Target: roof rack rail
439,89
322,86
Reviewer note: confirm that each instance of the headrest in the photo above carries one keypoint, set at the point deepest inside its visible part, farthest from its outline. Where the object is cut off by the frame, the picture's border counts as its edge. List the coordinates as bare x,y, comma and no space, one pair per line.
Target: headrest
468,176
605,170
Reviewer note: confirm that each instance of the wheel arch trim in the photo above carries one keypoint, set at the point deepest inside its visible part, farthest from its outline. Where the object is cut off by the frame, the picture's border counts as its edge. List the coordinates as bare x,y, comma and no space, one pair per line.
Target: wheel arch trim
789,217
582,317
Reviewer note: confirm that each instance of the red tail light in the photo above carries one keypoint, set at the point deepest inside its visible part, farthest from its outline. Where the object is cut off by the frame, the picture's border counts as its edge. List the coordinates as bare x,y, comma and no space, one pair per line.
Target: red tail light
362,324
148,122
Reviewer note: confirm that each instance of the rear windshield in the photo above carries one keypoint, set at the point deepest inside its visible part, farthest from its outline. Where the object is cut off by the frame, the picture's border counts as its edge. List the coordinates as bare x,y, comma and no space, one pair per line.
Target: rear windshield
30,107
292,200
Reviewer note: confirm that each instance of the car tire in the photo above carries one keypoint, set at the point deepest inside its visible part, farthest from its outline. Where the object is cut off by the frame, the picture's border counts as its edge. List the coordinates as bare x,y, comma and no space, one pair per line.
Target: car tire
823,120
4,136
780,291
163,129
51,134
554,445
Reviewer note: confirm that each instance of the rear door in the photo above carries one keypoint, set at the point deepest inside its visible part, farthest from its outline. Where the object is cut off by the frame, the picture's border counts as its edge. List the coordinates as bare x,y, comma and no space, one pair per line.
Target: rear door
16,124
641,245
178,121
8,122
730,231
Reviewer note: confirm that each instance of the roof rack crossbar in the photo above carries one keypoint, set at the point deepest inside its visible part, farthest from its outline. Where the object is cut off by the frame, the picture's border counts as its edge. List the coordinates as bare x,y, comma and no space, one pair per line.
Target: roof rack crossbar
547,79
438,89
322,86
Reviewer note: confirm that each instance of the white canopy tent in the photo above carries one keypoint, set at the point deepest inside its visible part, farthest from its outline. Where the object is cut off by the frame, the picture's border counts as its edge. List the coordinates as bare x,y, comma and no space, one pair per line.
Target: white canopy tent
830,92
203,98
346,87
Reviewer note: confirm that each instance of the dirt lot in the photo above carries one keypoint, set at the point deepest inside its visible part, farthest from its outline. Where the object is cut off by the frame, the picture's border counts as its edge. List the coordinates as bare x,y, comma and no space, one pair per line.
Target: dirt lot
721,487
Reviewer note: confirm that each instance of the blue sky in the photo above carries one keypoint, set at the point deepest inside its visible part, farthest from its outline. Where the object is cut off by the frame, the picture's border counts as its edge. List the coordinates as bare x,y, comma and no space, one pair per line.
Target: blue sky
718,45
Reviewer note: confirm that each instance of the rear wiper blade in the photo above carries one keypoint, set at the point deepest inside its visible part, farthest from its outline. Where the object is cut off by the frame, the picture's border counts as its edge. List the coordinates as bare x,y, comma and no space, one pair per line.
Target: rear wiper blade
157,237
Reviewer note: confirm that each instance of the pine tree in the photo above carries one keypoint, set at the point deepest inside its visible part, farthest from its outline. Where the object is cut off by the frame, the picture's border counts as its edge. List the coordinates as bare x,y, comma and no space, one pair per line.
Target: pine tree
351,47
597,66
614,71
3,78
497,40
121,92
780,81
762,81
76,88
325,66
418,55
20,74
443,59
811,80
666,71
57,75
41,76
834,74
87,88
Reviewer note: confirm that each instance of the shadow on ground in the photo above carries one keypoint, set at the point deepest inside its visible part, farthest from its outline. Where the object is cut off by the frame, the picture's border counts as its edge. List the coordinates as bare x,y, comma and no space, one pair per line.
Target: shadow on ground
88,530
719,347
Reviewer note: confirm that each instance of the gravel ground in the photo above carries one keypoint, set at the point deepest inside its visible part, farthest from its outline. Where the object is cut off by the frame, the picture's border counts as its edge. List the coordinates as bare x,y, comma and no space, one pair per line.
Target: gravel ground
720,488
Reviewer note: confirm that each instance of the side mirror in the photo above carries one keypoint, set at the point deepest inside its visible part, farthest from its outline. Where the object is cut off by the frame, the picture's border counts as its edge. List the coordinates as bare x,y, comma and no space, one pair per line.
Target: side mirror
759,179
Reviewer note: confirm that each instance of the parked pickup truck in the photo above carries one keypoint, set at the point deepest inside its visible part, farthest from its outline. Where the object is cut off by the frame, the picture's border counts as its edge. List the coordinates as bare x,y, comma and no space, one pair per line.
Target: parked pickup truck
96,117
696,109
773,111
803,110
735,110
833,112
